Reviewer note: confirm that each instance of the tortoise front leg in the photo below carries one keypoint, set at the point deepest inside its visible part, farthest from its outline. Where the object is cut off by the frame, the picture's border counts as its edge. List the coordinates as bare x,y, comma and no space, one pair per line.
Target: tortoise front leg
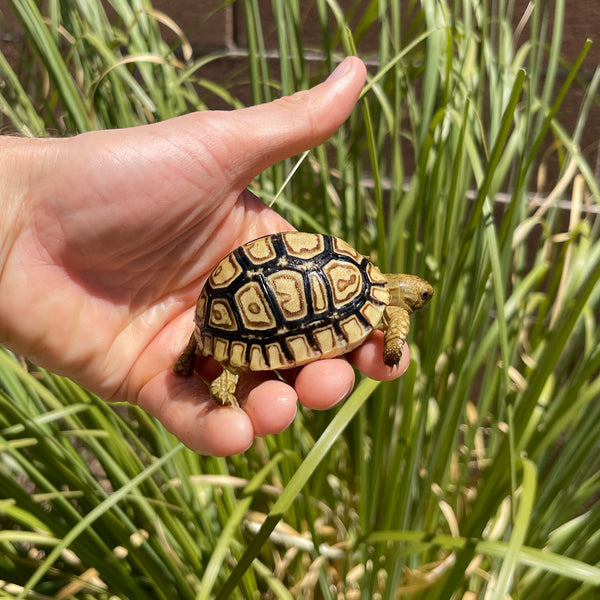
187,361
222,389
396,323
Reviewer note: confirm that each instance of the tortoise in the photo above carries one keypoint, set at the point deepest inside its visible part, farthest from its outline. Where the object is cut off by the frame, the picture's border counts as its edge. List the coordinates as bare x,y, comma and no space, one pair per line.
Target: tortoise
287,299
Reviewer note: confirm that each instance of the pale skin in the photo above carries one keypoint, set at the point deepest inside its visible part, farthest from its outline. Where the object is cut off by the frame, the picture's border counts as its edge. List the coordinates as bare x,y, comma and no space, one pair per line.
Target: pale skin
107,238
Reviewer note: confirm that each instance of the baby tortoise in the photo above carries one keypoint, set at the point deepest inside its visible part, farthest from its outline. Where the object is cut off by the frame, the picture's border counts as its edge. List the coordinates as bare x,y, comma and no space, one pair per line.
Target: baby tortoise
288,299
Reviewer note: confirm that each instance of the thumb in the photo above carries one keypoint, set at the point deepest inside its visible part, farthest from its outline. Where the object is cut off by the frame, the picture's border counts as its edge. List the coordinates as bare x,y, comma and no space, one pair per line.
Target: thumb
251,139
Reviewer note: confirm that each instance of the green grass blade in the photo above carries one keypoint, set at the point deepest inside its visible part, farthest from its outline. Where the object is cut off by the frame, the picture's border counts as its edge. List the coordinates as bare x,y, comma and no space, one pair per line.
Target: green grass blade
234,522
341,420
521,524
47,47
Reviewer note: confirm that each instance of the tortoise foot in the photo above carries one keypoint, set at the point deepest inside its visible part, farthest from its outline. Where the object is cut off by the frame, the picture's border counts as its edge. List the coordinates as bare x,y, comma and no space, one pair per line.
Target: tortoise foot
222,389
397,324
187,361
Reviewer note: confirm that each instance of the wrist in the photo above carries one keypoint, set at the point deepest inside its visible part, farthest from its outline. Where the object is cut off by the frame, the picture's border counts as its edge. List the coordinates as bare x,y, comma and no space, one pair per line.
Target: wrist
16,159
14,184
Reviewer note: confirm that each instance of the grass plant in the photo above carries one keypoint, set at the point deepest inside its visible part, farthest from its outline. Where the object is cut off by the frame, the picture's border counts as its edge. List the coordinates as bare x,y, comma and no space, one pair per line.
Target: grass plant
476,475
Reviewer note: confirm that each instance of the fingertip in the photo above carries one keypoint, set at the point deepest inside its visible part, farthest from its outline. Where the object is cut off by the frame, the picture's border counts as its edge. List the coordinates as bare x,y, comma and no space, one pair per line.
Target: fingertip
325,383
224,431
184,407
271,407
368,359
350,64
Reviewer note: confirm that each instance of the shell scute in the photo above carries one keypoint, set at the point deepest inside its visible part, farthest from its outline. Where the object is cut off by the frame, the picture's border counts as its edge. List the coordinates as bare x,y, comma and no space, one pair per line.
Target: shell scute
318,292
221,315
260,251
288,286
257,358
299,347
326,339
374,274
355,330
254,308
303,245
220,348
342,247
345,281
237,354
227,271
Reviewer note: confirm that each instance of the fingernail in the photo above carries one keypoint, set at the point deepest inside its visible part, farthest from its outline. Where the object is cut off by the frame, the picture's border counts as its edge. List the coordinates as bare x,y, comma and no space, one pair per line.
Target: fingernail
340,70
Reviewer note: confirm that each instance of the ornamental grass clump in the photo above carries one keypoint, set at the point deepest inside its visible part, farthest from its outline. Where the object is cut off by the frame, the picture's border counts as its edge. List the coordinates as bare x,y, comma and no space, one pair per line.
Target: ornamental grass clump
473,475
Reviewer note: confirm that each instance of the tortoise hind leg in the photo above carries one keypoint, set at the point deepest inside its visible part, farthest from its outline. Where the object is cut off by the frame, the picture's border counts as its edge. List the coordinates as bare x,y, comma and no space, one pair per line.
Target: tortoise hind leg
396,325
187,361
222,389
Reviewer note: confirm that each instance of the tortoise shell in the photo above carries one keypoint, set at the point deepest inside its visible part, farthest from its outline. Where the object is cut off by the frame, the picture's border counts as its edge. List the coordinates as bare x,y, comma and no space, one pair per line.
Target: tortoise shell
287,299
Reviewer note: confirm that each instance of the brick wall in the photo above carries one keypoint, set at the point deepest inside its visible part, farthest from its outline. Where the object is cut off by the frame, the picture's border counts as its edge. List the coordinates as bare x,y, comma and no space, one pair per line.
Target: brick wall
209,28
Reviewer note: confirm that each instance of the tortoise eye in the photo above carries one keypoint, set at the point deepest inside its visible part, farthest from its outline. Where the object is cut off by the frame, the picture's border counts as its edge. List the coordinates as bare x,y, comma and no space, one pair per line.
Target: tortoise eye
424,295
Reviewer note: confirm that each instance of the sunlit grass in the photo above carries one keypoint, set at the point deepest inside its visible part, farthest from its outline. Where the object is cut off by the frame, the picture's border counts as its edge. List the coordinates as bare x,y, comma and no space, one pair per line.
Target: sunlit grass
477,472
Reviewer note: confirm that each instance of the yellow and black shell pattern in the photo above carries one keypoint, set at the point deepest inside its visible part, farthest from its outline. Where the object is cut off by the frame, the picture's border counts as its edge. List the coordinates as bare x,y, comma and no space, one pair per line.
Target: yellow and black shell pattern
288,299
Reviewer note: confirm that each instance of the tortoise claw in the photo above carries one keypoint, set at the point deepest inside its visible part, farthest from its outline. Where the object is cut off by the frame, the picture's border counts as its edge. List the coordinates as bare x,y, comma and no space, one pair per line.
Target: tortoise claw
392,355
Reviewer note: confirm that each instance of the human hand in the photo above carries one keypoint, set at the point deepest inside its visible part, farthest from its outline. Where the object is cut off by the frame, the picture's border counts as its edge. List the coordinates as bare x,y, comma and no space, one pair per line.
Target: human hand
107,238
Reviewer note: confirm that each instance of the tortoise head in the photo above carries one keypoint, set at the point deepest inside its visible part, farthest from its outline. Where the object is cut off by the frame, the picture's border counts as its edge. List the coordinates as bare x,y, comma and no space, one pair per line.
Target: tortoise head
409,291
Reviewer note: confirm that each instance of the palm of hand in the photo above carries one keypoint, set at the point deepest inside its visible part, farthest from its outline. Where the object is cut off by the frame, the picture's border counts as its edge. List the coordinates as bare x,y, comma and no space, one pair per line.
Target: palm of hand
129,247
